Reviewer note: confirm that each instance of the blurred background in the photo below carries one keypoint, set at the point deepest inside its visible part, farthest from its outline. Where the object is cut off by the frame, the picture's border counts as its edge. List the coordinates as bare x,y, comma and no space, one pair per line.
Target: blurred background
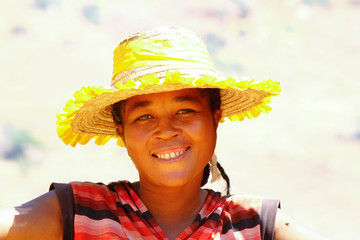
306,152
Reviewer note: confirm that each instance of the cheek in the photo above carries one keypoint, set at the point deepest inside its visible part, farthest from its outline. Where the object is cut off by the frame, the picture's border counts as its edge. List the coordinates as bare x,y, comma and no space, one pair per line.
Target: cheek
134,134
135,141
204,134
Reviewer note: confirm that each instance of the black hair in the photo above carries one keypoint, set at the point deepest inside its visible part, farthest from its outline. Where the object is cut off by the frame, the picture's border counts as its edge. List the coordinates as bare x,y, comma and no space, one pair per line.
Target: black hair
116,112
206,175
214,99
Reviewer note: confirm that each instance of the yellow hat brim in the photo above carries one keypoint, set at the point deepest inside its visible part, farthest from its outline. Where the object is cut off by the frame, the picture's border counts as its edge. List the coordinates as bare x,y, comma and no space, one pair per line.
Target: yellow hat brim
88,115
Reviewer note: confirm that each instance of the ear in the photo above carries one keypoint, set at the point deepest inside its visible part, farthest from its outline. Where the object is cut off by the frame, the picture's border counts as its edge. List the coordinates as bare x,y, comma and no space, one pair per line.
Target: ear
120,131
217,117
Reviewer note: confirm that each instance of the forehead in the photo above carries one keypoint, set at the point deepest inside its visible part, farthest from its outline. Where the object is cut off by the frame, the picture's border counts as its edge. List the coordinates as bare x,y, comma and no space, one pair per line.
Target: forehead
184,95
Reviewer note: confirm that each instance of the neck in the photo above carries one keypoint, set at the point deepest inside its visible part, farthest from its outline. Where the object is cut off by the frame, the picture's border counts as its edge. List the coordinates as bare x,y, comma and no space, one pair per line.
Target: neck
174,208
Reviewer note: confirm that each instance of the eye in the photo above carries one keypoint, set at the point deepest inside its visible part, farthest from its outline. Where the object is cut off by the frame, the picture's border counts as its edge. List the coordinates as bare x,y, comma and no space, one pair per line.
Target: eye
144,117
186,111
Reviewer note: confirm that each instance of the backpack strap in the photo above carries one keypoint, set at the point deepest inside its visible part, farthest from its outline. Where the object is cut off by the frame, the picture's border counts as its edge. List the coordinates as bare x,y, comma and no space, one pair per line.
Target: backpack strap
267,218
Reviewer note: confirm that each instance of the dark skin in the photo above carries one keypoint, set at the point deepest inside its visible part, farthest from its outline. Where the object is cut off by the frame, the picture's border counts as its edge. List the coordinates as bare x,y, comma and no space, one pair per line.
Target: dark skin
170,144
170,187
28,220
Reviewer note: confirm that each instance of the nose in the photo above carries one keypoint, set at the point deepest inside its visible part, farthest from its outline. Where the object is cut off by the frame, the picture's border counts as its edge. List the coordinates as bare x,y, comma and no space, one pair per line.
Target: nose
167,129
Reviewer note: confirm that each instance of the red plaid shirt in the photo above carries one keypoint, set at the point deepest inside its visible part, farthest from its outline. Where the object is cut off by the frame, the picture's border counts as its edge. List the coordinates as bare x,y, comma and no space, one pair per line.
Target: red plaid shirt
115,211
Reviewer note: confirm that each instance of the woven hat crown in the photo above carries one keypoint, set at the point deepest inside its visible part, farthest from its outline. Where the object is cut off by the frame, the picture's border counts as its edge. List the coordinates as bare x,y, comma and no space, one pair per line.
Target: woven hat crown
158,51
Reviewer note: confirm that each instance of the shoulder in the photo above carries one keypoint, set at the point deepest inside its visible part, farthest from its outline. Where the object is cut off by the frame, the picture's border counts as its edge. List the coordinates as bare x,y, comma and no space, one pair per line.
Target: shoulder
89,188
243,208
88,194
245,202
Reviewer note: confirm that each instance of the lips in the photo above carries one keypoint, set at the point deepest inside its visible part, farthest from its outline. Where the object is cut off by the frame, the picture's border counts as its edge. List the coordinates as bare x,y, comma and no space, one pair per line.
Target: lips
169,154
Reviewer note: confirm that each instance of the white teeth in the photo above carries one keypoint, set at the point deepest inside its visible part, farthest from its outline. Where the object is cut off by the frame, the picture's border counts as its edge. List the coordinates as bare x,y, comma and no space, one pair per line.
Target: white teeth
170,155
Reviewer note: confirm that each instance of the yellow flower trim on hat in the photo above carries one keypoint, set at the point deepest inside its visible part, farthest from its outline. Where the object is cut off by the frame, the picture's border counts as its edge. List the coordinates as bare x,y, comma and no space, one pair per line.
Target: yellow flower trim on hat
72,107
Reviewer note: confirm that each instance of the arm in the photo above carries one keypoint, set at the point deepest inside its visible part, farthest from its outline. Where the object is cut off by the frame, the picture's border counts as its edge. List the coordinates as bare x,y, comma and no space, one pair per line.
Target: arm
38,219
286,228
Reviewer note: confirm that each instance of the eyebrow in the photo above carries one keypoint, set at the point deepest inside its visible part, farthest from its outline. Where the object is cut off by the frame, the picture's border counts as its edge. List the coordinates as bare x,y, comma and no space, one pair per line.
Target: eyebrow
139,104
186,98
176,99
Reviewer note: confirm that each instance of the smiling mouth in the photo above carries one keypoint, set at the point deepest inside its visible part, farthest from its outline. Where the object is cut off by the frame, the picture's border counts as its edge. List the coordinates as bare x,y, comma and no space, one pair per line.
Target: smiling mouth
171,154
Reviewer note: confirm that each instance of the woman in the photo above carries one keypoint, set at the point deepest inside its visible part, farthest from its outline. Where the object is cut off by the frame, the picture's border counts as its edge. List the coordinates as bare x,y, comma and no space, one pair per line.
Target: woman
164,106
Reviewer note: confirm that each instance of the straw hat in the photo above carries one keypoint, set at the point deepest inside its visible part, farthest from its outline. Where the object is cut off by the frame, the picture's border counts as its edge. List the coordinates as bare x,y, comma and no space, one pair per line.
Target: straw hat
163,59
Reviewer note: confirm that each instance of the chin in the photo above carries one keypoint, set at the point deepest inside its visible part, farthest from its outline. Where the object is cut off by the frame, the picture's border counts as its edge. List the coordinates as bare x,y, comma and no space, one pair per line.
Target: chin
175,180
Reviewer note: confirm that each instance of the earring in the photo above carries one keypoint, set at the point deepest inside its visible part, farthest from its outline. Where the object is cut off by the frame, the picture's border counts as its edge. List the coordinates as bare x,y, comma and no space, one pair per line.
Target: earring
215,174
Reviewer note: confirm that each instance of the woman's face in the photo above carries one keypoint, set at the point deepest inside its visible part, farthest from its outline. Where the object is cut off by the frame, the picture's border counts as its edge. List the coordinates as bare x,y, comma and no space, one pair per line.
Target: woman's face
169,136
